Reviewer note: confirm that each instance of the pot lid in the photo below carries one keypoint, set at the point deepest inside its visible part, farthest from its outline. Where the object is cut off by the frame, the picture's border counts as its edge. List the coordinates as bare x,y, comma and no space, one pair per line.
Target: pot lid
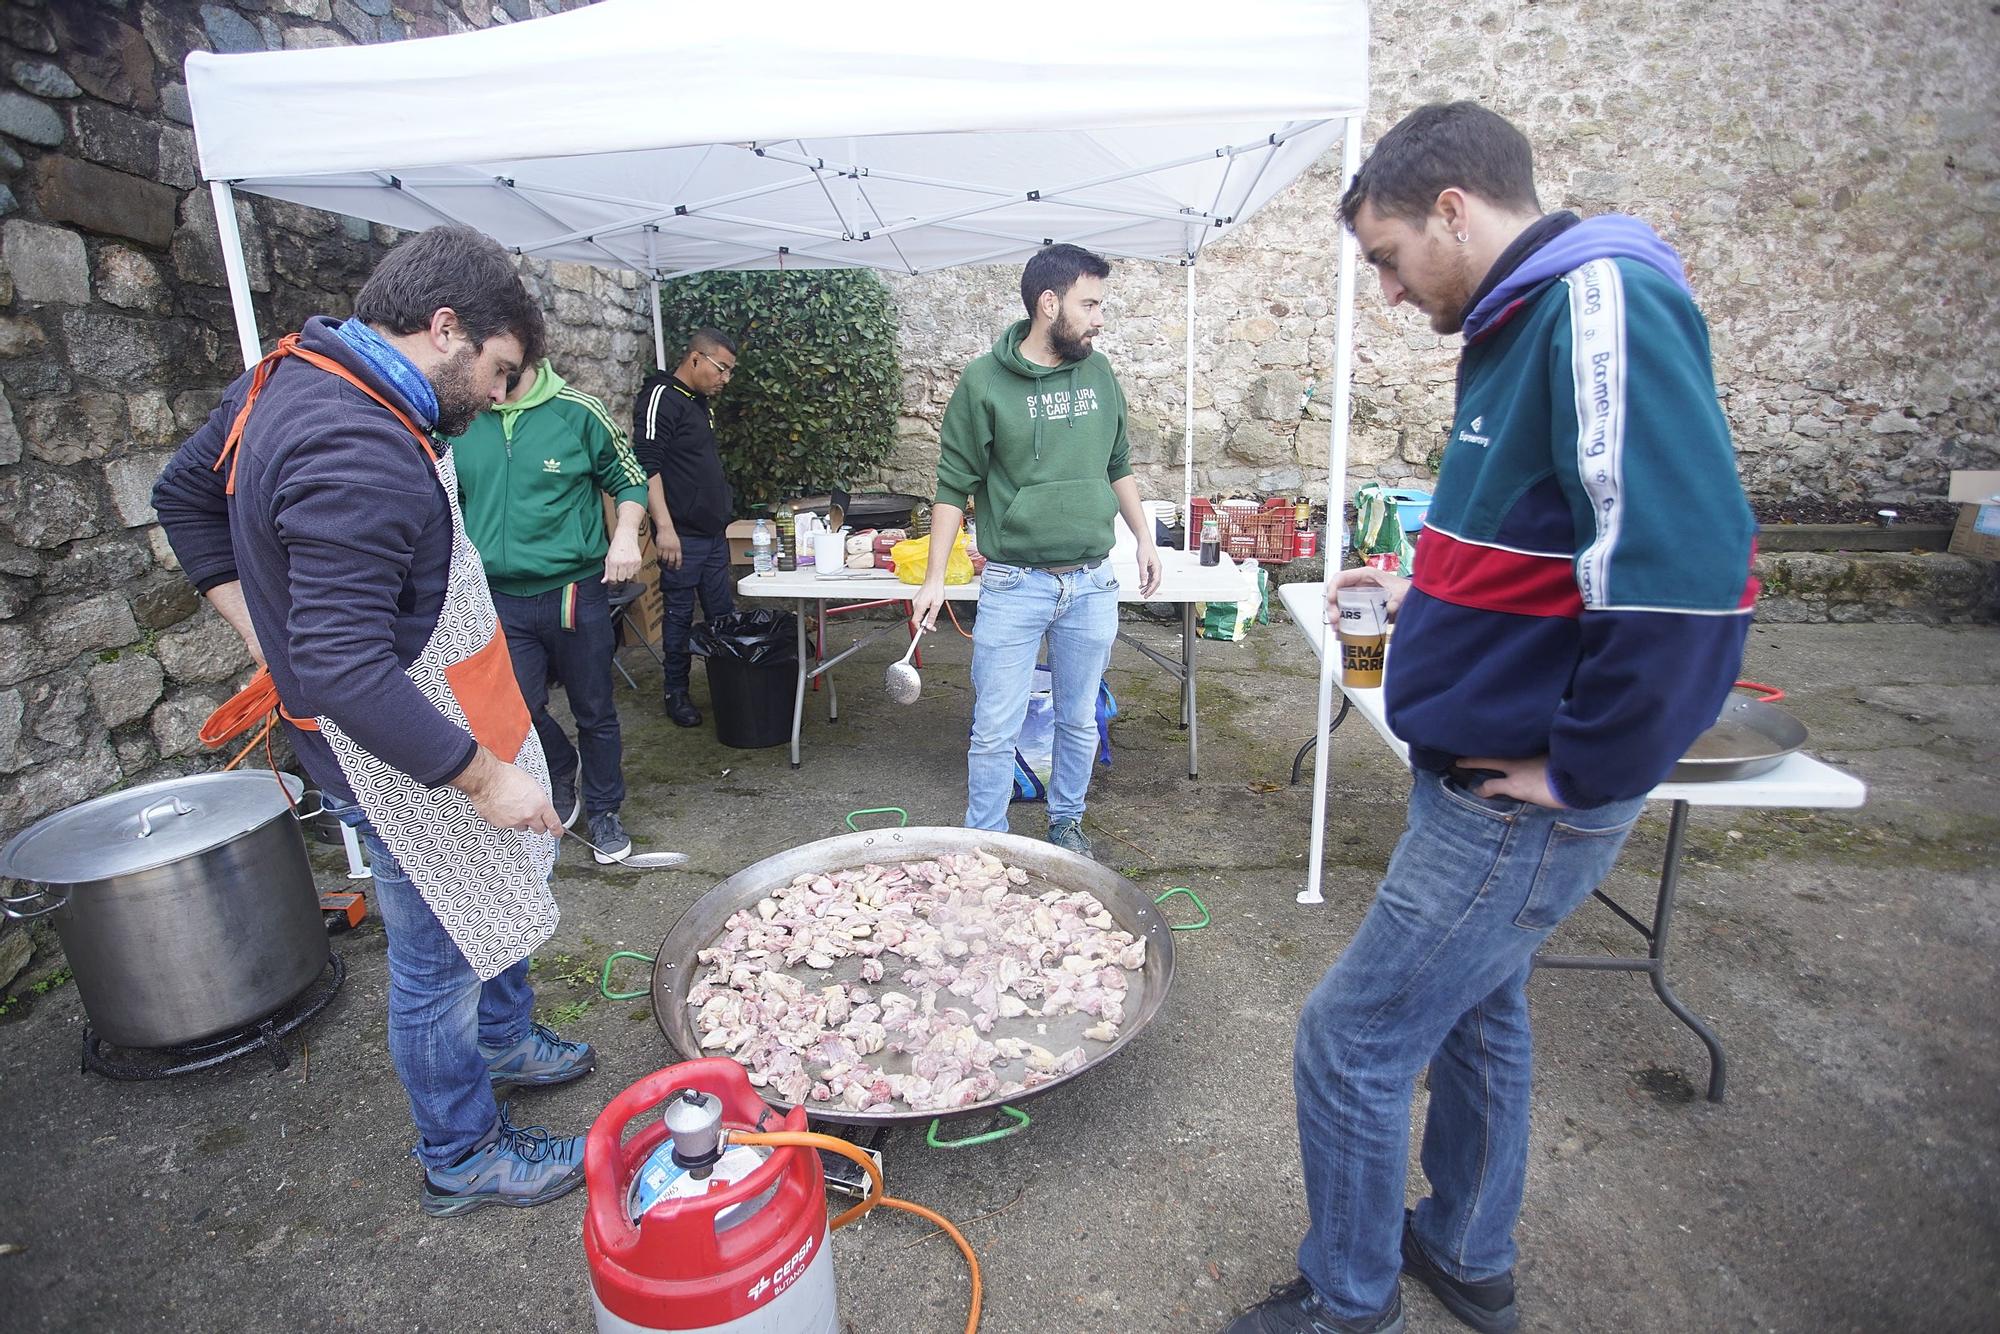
136,829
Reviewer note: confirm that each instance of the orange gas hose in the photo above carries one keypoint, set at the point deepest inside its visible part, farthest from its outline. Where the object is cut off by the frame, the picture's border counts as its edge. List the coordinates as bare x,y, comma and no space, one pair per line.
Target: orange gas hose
806,1139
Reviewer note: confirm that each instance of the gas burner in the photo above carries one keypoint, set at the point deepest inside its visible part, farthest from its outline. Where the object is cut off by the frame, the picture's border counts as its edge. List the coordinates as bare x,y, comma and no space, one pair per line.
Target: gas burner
165,1062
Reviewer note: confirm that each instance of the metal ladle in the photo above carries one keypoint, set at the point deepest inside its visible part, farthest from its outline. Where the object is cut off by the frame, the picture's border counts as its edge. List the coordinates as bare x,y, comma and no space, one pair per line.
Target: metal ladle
901,680
636,861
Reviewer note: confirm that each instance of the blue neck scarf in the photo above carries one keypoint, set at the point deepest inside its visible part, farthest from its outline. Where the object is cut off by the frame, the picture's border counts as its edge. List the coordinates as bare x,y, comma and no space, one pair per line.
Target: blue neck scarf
401,373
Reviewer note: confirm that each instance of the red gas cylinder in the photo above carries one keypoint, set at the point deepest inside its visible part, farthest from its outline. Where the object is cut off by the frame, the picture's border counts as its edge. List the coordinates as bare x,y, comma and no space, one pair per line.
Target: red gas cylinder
694,1240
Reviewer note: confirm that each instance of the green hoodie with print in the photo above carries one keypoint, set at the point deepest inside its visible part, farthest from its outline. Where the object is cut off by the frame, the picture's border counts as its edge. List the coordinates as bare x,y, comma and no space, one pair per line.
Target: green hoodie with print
528,477
1036,448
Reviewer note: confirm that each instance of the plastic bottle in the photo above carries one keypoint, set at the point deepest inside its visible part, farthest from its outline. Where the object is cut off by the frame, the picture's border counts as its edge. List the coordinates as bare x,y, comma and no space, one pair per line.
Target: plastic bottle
761,560
1211,542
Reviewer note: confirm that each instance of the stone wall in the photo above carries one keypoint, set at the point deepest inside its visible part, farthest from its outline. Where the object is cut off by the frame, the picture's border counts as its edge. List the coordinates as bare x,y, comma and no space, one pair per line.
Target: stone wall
1828,168
115,338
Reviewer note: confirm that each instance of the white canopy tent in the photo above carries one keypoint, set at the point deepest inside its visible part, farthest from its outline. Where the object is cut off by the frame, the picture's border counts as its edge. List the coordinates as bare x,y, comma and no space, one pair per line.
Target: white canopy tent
902,135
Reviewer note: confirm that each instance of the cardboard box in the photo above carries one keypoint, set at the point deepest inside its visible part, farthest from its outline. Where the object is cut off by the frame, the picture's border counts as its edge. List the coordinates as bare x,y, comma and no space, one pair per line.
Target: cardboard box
739,533
1977,532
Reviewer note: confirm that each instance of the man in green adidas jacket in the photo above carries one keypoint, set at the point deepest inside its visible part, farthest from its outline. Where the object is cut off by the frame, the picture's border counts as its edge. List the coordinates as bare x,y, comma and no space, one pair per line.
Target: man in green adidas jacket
529,473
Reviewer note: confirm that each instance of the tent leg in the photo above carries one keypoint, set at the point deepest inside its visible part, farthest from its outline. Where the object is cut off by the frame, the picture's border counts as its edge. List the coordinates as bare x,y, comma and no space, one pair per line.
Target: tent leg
659,336
237,271
1188,535
1333,545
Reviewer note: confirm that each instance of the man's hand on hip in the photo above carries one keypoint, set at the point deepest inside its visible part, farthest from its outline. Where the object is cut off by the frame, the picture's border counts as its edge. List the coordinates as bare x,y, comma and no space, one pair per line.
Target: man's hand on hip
505,797
1524,780
1396,584
1149,570
622,561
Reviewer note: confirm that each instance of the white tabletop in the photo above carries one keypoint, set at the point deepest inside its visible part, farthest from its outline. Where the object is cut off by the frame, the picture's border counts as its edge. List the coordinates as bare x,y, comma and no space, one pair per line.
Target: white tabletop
1183,578
1800,781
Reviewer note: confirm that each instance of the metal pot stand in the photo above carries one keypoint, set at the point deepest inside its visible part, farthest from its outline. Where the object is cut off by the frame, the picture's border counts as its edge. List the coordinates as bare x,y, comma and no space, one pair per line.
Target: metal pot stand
137,1063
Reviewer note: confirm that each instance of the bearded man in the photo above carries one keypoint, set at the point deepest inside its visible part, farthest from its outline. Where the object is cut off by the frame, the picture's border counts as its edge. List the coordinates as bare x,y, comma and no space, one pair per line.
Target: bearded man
317,511
1034,437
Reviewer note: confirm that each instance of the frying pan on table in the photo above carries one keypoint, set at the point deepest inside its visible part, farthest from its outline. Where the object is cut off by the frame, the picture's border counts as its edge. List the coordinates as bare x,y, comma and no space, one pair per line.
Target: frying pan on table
1752,736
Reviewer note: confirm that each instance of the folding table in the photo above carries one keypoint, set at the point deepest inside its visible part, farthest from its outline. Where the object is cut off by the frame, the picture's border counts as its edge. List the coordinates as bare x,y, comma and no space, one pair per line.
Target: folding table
1799,782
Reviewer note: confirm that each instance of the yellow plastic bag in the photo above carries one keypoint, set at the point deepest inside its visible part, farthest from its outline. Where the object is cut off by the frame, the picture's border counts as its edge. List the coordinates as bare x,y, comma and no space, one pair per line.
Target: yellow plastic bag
912,557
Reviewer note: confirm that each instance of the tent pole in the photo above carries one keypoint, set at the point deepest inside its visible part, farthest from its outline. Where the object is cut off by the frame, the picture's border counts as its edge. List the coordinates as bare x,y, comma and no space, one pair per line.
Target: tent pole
1188,538
238,272
659,335
653,267
1333,542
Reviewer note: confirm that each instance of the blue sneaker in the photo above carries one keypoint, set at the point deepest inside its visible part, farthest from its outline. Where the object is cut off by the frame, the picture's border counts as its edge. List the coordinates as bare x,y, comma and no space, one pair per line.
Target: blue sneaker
1069,836
537,1060
518,1166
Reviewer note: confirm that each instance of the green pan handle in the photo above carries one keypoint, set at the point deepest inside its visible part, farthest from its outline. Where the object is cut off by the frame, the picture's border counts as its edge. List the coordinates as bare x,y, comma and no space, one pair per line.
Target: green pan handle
604,982
1193,898
1021,1123
880,810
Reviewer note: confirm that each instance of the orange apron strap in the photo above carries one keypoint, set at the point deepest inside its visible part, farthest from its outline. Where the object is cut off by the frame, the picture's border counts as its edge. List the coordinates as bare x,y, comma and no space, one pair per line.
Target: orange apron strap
286,346
289,346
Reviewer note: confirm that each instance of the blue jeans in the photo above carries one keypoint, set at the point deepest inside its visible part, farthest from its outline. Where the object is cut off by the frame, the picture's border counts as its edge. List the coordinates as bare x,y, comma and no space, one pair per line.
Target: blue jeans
704,573
580,659
439,1011
1078,612
1437,975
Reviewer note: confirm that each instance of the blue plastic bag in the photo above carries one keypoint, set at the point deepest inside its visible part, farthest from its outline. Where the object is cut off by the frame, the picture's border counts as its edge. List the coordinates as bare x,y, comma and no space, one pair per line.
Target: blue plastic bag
1035,751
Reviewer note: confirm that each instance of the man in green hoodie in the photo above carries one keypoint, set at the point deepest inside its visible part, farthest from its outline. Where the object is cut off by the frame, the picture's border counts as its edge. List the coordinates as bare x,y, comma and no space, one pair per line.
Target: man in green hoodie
1034,437
529,473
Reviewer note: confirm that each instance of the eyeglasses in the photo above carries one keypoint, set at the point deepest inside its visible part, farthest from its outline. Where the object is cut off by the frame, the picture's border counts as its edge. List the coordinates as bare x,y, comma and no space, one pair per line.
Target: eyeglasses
724,371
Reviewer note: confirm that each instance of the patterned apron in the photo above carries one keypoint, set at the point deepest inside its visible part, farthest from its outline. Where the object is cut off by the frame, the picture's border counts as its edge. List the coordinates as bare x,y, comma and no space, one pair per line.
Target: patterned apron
489,887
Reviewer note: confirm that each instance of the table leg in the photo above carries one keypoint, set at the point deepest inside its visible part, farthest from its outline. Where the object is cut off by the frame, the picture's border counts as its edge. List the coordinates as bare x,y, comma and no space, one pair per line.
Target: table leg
832,690
1187,682
1299,760
1654,965
805,673
1663,922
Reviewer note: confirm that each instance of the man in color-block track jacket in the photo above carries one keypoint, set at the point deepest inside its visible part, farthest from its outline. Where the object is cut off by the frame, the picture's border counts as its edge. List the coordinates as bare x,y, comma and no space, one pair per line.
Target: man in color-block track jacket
1577,613
1582,585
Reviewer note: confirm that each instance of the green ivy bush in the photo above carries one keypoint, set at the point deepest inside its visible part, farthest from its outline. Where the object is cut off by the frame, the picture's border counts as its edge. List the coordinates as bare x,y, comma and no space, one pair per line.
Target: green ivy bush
813,402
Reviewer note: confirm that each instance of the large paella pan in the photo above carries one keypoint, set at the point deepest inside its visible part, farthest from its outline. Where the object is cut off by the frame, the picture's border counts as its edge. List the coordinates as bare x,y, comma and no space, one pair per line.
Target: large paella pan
676,967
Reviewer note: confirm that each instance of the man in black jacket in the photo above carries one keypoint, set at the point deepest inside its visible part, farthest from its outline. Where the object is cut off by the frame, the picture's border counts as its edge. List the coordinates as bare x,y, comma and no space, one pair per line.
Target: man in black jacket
673,435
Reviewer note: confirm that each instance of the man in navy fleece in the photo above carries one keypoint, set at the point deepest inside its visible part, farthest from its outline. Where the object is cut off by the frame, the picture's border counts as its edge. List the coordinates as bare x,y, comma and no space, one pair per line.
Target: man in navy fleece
326,539
1580,600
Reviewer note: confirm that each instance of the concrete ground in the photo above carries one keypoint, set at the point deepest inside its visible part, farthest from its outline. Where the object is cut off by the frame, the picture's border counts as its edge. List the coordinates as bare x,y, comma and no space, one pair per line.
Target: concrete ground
1848,960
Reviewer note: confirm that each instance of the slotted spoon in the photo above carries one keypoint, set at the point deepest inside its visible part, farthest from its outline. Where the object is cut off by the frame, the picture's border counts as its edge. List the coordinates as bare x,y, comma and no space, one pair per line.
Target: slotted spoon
901,680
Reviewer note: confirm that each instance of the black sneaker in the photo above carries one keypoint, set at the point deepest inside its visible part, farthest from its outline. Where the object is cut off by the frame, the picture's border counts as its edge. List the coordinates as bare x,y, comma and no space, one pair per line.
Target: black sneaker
609,841
1296,1309
1487,1306
682,710
564,797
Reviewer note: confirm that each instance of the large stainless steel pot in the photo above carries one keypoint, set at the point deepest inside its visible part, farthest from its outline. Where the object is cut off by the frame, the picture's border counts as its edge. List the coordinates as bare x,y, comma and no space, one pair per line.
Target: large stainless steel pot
186,907
675,967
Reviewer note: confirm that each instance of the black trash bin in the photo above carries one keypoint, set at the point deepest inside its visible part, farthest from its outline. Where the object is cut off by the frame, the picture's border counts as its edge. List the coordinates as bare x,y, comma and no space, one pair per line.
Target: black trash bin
752,659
